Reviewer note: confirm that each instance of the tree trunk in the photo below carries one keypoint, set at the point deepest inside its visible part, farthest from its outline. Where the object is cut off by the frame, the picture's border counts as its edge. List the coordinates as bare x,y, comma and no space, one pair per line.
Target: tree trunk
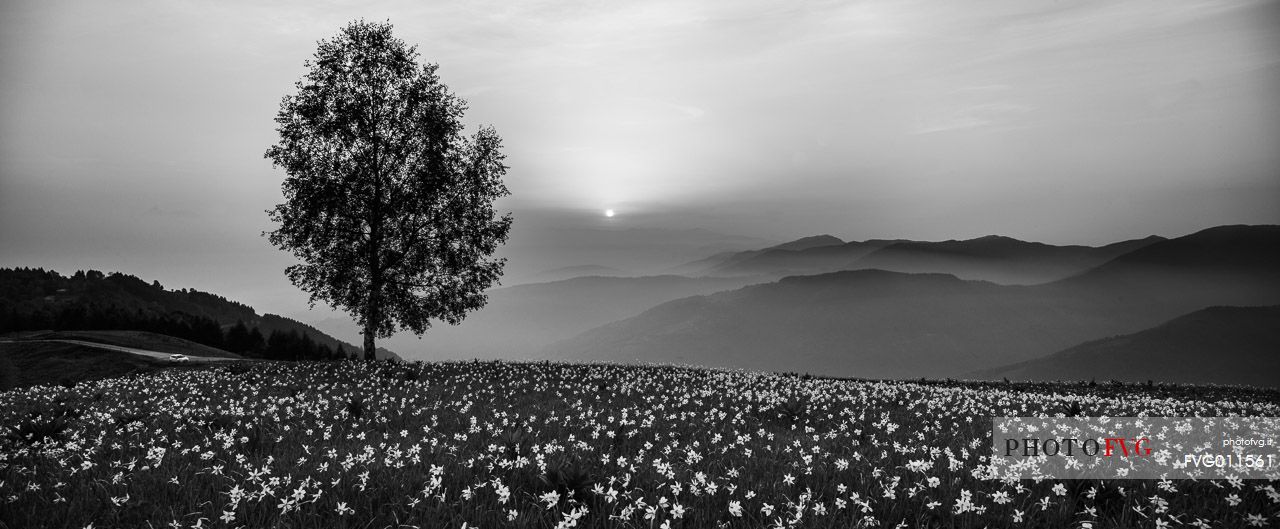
372,304
368,343
370,328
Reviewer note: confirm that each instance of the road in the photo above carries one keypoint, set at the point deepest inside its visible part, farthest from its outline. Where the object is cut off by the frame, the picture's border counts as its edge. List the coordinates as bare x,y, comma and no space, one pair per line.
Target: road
130,350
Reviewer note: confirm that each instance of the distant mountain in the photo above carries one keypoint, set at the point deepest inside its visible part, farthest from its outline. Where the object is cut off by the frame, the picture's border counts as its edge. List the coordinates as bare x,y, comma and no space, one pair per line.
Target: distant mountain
782,262
1217,345
706,265
995,258
805,243
1240,258
885,324
570,272
518,321
35,299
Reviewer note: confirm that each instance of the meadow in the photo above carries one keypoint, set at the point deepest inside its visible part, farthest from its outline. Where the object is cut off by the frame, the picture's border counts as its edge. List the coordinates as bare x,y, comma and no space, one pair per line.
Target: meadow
542,445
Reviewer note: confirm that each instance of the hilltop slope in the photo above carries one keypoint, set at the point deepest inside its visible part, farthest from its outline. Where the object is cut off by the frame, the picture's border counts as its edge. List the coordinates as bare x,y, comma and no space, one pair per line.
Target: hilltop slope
25,364
146,341
1218,345
36,299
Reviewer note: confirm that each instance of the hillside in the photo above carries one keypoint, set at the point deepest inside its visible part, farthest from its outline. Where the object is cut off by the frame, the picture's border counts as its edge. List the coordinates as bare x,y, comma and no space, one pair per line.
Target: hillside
885,324
1218,345
36,299
1239,258
1226,265
26,364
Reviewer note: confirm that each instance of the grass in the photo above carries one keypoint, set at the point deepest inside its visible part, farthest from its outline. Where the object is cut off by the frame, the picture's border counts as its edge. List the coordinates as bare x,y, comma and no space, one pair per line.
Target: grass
26,364
492,444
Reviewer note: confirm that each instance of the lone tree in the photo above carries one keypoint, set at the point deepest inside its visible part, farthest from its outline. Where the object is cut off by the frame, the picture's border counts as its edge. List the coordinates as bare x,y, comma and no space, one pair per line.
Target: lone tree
388,206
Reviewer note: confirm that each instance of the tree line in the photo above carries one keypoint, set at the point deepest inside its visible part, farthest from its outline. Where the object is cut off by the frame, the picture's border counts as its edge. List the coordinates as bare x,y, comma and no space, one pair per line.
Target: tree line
239,338
34,299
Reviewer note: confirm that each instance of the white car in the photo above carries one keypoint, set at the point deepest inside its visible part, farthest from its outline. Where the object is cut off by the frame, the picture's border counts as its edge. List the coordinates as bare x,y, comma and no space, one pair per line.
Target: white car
179,358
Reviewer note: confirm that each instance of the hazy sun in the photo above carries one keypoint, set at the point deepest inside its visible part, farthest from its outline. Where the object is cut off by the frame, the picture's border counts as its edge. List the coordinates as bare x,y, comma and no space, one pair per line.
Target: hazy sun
608,212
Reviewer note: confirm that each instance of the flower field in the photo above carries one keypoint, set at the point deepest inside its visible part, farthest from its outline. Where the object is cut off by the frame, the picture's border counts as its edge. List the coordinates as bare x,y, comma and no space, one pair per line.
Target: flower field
492,444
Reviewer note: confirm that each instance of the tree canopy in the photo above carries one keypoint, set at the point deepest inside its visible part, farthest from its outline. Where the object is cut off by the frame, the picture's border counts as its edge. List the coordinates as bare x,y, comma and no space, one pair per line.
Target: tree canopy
388,205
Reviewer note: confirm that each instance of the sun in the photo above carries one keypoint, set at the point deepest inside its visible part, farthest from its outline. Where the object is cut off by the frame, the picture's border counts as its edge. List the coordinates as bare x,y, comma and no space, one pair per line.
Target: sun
608,213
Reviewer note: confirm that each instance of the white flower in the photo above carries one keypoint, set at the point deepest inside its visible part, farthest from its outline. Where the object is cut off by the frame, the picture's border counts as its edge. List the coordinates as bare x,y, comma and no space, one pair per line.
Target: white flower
735,508
677,511
551,499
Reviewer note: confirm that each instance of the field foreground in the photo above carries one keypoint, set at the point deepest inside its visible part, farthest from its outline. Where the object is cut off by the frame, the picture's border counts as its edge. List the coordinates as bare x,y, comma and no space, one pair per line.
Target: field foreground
562,445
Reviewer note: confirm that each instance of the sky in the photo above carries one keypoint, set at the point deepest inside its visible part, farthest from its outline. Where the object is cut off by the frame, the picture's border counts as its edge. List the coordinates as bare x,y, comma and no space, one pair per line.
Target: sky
133,133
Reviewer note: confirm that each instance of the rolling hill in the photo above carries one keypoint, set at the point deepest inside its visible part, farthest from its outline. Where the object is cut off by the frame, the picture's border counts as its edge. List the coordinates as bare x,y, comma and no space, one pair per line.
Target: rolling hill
1240,259
1218,345
147,341
25,364
37,299
875,323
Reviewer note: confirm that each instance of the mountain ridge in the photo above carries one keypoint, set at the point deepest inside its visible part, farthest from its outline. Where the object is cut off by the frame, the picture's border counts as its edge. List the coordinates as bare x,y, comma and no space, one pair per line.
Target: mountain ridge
877,323
996,258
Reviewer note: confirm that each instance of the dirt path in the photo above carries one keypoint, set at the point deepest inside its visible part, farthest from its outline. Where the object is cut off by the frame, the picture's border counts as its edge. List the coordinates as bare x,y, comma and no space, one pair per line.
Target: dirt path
130,350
